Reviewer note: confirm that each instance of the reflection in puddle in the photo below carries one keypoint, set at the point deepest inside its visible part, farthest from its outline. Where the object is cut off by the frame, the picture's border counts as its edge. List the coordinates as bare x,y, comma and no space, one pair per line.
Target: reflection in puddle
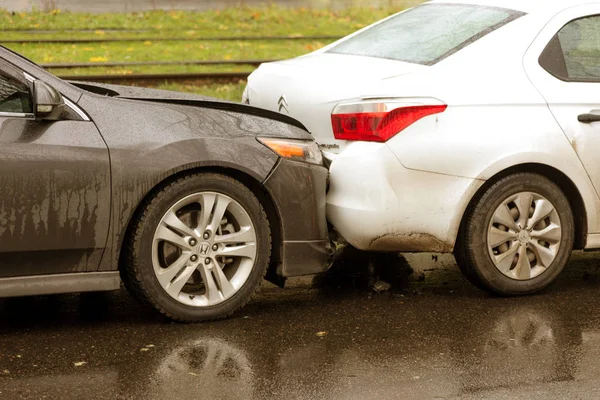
521,331
213,367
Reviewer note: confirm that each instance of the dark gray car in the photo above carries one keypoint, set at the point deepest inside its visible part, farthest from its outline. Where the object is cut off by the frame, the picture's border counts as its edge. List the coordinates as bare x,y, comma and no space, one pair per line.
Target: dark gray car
188,200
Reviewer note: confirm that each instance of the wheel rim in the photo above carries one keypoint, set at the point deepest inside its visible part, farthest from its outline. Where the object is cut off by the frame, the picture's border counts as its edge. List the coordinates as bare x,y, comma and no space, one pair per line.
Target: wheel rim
524,236
204,249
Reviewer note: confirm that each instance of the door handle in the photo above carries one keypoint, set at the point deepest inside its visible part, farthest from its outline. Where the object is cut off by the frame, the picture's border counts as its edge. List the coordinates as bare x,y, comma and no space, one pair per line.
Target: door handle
589,118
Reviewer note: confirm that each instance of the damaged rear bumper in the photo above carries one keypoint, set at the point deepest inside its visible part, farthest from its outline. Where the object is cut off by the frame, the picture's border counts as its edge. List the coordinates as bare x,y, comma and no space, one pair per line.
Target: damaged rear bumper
377,204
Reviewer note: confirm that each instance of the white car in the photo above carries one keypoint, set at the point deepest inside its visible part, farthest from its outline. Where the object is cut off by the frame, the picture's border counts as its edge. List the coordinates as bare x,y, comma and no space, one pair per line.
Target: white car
467,126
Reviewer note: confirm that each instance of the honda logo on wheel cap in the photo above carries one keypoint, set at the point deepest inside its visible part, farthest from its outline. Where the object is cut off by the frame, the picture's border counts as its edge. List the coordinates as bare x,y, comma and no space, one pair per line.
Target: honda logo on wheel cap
204,248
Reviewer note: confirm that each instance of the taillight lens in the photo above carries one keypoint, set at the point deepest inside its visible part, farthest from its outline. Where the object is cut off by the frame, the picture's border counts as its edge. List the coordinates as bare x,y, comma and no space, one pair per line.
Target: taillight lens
378,122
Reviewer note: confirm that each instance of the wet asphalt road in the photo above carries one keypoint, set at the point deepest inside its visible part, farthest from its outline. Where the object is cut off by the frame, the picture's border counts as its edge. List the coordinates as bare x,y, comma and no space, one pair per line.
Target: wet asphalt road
437,338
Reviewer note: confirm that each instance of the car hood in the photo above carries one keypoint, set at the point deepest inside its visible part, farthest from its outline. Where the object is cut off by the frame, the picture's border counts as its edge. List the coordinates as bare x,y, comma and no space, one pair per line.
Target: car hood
309,87
185,99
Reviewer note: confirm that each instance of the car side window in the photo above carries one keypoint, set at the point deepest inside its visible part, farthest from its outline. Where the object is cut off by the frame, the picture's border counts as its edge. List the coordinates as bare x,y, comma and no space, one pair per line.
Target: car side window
14,95
574,53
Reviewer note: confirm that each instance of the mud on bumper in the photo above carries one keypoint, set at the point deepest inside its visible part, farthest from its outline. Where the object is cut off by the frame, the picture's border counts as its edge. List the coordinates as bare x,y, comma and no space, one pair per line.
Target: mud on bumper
299,192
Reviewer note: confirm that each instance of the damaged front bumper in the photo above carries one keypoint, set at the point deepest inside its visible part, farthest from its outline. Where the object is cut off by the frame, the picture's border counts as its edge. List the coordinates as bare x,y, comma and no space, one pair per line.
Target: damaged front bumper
299,191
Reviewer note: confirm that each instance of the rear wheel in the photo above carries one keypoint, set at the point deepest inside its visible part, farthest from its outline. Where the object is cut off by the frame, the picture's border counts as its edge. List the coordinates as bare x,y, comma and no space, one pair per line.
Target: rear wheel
518,237
199,248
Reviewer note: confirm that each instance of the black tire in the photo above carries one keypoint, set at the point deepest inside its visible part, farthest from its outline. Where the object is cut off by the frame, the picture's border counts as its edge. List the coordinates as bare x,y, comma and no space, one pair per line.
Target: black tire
472,253
138,273
462,261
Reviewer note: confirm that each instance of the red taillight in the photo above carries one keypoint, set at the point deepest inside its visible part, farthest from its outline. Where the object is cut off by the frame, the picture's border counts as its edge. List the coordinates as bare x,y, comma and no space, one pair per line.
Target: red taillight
379,126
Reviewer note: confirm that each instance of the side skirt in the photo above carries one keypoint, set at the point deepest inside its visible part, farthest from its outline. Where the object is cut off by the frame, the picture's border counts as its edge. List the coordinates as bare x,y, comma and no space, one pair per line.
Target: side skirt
59,283
593,242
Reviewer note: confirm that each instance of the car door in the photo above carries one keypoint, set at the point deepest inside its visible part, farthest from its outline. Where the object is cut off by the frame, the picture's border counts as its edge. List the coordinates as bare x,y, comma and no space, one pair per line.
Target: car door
54,186
564,65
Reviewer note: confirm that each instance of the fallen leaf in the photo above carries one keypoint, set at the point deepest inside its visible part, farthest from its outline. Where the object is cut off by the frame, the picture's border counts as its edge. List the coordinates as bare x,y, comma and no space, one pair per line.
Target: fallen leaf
80,363
321,334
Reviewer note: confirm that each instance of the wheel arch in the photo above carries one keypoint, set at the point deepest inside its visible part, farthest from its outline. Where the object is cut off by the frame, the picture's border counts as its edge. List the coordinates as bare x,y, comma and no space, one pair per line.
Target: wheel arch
251,182
565,183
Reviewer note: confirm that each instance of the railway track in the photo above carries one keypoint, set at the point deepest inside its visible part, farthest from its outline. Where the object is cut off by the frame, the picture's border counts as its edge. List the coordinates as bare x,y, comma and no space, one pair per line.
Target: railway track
173,77
169,39
150,63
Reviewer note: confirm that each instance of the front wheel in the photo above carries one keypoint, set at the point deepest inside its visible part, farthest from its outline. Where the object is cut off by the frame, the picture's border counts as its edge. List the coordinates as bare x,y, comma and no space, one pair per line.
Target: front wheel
198,249
518,237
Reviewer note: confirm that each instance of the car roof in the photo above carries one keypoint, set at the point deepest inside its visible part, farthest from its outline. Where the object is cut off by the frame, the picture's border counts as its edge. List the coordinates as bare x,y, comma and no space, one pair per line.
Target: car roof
528,6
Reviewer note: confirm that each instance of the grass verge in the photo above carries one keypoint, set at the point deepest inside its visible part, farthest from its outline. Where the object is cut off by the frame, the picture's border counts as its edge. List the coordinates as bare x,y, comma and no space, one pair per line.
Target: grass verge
231,91
262,21
157,50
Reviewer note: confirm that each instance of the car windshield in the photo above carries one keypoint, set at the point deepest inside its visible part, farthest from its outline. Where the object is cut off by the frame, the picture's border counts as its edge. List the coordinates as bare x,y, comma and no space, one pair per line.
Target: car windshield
427,34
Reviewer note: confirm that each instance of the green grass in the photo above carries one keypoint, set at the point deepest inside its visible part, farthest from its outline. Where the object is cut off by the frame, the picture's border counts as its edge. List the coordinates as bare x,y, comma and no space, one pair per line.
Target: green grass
266,21
226,91
170,51
272,20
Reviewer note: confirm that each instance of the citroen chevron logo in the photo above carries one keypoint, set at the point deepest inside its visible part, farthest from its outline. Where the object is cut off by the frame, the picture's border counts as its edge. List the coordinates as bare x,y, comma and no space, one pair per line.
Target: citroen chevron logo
283,104
204,249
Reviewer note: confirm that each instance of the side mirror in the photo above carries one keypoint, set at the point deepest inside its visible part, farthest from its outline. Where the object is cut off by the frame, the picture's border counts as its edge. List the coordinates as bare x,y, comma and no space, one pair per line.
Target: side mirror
48,103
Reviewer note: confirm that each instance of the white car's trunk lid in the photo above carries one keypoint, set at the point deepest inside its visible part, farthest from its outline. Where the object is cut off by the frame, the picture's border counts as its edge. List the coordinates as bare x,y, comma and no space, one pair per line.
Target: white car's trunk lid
308,88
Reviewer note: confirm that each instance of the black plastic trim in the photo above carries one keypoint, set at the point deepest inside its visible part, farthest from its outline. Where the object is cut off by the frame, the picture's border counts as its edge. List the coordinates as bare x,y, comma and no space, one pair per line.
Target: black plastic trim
59,283
588,118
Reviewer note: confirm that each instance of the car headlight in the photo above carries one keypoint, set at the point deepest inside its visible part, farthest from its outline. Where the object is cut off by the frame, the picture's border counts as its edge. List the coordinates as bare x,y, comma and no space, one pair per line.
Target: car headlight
298,150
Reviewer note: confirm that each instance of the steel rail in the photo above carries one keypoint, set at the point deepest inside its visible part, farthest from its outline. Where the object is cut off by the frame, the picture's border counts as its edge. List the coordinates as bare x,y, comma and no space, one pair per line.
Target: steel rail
173,39
157,77
142,63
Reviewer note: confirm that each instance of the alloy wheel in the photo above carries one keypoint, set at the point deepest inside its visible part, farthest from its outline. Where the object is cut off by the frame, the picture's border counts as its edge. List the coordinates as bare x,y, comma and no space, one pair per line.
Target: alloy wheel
204,249
524,235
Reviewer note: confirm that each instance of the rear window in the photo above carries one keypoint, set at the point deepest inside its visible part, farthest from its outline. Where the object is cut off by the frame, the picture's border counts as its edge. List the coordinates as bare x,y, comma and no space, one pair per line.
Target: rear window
427,34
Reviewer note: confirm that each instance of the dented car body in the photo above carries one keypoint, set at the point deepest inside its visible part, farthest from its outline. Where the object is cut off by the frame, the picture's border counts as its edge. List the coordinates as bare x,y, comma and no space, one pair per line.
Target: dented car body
72,186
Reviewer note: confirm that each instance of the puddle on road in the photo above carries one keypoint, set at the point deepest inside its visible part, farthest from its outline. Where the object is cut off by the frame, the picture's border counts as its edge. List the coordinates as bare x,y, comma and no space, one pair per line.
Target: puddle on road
430,346
301,344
